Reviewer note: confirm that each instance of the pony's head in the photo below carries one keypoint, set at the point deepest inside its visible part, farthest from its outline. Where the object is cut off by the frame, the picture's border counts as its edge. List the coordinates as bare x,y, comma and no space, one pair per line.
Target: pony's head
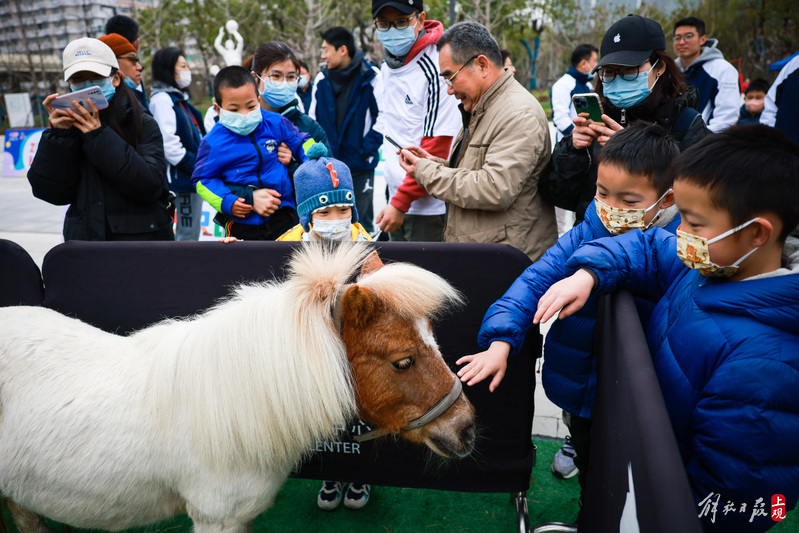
398,370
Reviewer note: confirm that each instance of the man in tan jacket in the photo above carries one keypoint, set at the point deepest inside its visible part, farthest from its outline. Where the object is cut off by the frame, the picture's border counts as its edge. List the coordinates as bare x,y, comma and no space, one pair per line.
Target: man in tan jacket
490,182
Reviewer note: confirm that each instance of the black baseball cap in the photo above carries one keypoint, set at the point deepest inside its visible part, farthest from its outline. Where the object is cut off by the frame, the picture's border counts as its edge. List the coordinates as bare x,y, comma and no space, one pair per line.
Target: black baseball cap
403,6
630,42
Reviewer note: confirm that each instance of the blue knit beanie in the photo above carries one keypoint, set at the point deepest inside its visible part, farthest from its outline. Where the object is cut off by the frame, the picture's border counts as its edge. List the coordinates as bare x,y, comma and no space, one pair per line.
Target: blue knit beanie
322,181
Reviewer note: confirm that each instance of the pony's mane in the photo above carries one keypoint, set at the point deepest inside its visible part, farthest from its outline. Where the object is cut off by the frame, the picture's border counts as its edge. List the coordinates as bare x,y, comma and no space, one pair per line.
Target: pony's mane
258,378
412,291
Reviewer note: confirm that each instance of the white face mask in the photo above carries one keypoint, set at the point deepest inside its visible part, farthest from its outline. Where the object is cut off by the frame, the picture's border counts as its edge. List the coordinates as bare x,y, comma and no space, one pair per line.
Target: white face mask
184,79
333,230
304,79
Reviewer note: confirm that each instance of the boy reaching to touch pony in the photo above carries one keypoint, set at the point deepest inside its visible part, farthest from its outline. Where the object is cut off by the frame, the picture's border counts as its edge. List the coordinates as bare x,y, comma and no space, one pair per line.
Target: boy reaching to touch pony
633,192
725,332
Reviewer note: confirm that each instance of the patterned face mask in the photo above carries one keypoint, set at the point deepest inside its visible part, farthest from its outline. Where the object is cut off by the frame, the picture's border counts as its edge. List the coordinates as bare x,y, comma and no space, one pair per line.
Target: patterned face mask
694,252
618,220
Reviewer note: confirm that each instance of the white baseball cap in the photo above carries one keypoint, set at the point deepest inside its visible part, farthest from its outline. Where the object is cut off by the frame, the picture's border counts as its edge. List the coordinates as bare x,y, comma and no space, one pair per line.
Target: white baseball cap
88,54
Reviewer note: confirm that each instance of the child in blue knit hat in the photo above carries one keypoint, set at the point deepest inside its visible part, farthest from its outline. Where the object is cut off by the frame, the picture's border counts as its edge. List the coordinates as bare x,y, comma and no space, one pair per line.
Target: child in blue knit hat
326,205
325,201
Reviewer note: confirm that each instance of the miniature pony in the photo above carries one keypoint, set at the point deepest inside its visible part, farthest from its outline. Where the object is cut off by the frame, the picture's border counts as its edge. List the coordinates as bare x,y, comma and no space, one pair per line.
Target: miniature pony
208,415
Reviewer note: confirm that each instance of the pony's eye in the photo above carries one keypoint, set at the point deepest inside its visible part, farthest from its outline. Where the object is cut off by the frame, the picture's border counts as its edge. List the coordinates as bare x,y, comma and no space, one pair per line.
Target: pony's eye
403,364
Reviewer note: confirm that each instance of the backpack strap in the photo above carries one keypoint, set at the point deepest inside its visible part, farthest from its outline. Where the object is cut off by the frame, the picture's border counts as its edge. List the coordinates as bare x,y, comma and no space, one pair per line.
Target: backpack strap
683,122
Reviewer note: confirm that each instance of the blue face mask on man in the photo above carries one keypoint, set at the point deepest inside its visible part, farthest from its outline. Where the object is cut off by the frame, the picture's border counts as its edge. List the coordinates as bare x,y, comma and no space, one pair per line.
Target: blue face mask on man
105,84
398,41
130,84
238,123
624,93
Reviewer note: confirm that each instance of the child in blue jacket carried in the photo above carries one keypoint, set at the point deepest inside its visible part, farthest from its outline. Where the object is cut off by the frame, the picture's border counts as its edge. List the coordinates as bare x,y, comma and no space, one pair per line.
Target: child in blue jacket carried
633,193
242,153
725,333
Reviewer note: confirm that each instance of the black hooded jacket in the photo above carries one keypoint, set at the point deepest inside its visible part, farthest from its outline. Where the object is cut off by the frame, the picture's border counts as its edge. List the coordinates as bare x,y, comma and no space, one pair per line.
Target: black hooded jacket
115,191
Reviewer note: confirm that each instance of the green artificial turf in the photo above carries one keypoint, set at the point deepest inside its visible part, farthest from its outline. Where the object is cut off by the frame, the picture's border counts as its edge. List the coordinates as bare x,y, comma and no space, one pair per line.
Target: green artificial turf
396,510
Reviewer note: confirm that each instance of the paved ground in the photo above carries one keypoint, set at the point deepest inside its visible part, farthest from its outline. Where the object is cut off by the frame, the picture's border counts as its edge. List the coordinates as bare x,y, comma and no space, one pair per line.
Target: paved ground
36,226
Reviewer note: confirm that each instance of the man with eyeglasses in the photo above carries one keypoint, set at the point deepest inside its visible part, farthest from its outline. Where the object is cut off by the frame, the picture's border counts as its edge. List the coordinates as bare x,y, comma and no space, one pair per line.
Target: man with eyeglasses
129,64
129,29
343,103
415,109
706,69
490,181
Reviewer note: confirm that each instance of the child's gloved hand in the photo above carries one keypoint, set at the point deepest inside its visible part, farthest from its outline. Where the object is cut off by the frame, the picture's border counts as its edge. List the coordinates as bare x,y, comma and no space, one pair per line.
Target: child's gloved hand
491,362
567,296
240,209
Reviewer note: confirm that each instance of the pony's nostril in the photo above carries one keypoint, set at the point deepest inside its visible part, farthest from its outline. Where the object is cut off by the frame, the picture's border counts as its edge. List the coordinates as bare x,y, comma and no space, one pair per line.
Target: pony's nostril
468,436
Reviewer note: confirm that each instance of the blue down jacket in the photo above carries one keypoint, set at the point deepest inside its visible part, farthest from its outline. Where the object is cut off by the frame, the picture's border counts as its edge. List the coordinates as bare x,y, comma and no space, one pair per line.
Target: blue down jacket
727,358
569,375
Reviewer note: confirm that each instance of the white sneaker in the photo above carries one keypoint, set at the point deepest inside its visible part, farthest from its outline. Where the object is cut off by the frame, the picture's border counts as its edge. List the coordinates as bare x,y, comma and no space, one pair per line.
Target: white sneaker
357,495
330,495
563,462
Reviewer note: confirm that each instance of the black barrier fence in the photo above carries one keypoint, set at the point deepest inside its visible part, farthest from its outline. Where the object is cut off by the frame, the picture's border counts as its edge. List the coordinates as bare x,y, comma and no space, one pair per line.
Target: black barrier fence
637,481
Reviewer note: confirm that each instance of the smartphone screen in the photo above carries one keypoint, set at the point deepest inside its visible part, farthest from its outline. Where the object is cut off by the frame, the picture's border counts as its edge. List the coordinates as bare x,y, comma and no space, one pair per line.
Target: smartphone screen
588,103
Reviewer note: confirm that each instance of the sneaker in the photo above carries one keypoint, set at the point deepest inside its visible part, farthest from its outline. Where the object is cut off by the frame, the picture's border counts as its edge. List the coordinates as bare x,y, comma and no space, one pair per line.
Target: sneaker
330,495
563,462
357,495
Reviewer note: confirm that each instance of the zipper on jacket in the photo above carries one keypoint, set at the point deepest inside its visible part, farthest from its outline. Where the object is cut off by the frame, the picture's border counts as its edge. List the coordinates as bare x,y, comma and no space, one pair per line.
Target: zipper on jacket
260,159
623,117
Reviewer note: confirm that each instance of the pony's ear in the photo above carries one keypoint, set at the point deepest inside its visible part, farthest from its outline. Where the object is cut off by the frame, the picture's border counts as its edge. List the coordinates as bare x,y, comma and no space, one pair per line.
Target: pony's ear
357,306
371,264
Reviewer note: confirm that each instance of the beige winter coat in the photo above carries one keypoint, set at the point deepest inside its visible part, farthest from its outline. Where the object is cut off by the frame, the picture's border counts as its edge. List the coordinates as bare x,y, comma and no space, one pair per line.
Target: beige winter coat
492,188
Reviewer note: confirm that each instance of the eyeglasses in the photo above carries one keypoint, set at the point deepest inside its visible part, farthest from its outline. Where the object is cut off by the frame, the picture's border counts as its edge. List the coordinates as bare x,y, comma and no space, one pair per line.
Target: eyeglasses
275,77
625,73
684,37
132,59
400,24
451,79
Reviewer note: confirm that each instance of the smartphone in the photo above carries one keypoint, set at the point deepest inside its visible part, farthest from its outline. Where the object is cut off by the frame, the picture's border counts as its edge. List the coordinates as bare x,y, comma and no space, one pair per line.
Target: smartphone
588,103
392,141
93,93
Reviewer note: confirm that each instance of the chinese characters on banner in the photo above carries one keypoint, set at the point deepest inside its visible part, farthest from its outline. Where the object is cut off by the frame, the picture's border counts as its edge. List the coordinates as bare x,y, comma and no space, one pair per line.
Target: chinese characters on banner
710,506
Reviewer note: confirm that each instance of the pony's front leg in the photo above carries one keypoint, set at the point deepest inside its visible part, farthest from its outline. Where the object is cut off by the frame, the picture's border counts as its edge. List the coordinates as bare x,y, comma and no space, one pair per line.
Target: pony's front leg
225,527
25,520
202,525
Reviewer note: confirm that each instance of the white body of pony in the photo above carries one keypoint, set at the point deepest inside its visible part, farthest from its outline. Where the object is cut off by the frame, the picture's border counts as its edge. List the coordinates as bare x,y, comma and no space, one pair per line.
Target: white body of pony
206,415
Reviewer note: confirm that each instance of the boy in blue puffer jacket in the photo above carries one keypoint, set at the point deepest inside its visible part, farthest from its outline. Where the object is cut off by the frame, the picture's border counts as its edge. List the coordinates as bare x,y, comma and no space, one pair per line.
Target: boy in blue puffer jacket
633,192
725,334
244,154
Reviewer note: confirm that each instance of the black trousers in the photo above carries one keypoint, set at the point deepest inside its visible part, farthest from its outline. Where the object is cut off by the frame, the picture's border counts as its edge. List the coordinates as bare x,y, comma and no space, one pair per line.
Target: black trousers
279,223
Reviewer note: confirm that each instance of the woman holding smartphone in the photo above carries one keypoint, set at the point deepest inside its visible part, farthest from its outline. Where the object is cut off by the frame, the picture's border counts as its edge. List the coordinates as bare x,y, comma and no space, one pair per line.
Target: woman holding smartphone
108,165
637,81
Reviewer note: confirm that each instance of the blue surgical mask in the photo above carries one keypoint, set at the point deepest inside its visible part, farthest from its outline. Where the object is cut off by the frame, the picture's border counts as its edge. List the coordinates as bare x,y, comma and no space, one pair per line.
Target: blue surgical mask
105,84
278,94
624,94
398,41
238,123
130,84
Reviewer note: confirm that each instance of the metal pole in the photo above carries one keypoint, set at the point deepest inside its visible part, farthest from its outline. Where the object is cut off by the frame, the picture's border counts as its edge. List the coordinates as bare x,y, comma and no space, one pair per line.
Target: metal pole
451,12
